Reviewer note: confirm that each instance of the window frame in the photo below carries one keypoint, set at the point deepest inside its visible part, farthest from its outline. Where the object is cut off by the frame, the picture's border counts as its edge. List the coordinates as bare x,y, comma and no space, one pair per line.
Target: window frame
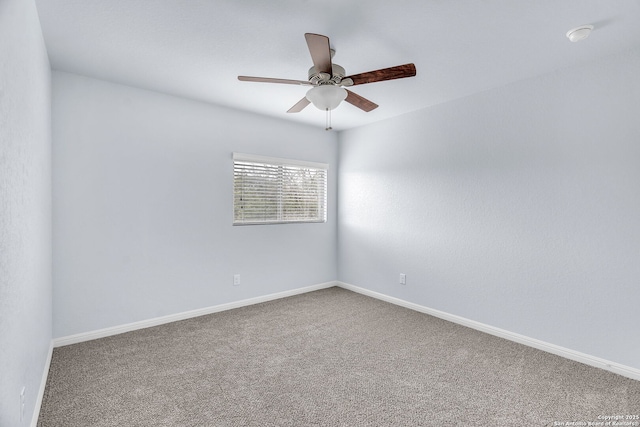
282,162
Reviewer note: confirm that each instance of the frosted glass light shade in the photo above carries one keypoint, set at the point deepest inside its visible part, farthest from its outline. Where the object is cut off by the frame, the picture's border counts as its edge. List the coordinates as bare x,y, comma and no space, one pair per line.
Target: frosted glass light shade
326,97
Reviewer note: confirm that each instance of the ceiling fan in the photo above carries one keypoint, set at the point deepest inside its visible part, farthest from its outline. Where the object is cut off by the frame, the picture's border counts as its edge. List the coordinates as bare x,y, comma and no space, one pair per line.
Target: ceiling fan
328,79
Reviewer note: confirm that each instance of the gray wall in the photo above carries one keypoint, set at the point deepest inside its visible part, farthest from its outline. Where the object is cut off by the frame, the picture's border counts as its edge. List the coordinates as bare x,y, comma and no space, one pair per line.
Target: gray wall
517,207
25,209
143,205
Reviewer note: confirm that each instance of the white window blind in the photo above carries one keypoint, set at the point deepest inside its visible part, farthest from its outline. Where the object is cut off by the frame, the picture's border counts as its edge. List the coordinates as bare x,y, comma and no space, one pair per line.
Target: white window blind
268,190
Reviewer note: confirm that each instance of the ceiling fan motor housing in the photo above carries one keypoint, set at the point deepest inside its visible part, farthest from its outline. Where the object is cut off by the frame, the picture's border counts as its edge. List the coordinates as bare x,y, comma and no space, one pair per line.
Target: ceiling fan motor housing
324,78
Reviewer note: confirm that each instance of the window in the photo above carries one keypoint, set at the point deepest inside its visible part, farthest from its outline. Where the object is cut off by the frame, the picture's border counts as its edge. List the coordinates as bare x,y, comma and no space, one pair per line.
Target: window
268,190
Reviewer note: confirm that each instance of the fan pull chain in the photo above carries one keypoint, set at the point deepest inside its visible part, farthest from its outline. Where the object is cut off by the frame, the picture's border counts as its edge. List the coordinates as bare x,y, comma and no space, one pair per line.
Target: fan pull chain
328,120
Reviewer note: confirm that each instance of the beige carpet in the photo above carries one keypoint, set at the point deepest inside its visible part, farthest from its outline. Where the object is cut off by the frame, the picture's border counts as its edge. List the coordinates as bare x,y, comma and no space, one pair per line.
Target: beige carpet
326,358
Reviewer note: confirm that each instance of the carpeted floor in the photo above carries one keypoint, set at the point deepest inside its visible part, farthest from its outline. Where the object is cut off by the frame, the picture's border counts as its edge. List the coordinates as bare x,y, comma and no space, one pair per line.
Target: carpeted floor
325,358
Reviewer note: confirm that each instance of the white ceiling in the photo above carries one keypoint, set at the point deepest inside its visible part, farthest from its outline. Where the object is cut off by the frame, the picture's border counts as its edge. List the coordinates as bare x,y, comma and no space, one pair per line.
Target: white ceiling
197,48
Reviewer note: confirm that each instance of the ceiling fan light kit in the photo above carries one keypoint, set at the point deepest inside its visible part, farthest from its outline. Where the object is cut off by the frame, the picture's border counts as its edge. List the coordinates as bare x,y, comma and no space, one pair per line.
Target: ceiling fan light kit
579,33
326,97
328,80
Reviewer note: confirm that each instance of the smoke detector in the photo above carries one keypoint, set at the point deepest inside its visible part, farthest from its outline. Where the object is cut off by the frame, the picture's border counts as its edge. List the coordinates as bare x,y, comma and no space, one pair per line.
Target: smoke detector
579,33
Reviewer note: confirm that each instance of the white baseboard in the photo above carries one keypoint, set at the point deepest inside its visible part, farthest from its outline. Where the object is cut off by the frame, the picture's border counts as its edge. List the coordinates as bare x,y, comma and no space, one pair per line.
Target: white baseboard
577,356
43,384
101,333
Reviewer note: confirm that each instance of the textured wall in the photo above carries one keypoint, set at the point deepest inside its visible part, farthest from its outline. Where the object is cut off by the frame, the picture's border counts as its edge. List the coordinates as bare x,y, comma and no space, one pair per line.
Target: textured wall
25,209
143,205
517,207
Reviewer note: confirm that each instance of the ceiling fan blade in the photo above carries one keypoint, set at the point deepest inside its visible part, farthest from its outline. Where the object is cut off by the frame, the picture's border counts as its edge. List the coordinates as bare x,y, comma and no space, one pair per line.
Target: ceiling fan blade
320,52
360,102
299,106
397,72
270,80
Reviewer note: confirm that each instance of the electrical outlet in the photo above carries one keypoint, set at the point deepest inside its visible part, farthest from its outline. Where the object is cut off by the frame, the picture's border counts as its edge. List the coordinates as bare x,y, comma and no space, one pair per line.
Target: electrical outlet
403,279
22,392
236,279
